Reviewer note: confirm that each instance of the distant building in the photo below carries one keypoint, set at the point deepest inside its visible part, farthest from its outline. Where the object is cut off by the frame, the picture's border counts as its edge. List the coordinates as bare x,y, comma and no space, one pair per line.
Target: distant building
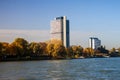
60,30
94,43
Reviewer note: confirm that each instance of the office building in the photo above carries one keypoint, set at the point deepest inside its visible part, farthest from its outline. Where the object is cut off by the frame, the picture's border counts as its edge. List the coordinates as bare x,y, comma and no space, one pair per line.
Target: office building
94,43
60,30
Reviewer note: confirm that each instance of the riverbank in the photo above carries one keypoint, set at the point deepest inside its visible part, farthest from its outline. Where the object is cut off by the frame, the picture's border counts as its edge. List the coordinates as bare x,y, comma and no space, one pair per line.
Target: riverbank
28,58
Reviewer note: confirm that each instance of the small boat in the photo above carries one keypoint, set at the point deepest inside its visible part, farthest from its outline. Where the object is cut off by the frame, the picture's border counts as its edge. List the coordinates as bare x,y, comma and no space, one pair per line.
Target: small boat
81,57
106,56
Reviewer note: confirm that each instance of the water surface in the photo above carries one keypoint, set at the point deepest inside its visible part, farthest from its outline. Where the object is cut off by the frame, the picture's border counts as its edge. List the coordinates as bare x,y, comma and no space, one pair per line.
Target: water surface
76,69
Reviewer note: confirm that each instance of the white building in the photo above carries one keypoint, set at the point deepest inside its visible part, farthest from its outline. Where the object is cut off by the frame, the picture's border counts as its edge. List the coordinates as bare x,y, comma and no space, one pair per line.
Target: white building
94,43
60,30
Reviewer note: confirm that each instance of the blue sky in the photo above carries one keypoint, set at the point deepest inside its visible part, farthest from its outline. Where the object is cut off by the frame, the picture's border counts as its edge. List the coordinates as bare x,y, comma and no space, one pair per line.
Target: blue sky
99,18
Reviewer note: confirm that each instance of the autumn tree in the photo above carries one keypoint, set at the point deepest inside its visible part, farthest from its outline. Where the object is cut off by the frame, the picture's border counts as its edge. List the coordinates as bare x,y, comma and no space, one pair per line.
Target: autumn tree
88,52
37,49
113,50
34,48
4,50
1,48
21,46
43,46
59,50
54,41
70,53
118,49
77,51
12,49
50,49
55,48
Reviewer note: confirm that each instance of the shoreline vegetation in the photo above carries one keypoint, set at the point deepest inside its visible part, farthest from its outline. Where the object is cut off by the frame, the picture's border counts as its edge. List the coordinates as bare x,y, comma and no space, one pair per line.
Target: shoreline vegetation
21,50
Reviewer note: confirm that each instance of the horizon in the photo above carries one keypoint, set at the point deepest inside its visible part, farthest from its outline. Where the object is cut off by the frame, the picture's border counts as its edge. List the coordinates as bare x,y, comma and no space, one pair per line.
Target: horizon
30,19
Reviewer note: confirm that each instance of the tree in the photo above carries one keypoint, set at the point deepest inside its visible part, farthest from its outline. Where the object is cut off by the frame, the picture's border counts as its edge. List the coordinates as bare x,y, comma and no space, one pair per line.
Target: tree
12,49
22,46
56,49
31,47
1,48
54,41
38,49
118,50
50,49
77,51
70,53
42,48
102,50
88,52
4,48
34,48
59,50
114,53
113,50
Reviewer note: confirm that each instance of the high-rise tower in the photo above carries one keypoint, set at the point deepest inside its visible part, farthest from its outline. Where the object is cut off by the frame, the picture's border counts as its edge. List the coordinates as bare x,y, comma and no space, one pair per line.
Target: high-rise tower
60,30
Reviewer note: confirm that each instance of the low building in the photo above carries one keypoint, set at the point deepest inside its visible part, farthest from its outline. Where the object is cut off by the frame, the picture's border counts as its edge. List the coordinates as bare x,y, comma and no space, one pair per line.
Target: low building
94,43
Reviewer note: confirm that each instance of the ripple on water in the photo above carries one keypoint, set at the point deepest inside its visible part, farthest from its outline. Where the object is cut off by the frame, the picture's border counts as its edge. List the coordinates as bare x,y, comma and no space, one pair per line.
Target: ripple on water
76,69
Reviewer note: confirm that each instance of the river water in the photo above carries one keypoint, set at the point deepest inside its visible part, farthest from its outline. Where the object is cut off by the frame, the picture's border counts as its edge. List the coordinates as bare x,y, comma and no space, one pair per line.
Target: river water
75,69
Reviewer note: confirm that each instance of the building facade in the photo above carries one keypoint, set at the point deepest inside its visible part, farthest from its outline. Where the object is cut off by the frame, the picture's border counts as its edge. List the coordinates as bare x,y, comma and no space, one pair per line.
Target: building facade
60,30
94,43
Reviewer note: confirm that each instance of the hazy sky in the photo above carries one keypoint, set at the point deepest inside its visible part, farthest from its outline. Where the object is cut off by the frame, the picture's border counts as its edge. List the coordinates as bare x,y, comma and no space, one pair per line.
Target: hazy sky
30,19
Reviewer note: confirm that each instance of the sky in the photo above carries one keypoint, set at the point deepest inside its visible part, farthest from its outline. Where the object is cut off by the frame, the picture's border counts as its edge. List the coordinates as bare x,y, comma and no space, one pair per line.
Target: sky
30,19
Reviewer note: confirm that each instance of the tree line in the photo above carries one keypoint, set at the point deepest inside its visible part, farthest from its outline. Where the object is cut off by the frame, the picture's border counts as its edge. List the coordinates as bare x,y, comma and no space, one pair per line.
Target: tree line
52,49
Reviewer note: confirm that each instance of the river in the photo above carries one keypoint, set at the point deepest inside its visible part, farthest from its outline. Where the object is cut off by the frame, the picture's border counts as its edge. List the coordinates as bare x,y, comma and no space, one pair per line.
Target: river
75,69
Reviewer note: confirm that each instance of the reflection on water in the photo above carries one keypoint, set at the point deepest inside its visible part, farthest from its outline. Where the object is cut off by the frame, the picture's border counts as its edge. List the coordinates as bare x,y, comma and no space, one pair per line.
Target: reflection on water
76,69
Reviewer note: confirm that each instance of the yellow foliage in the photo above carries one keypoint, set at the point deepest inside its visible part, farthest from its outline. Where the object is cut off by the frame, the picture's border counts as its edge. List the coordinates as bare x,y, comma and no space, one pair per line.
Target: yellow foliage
77,50
88,52
55,48
54,41
77,56
50,49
